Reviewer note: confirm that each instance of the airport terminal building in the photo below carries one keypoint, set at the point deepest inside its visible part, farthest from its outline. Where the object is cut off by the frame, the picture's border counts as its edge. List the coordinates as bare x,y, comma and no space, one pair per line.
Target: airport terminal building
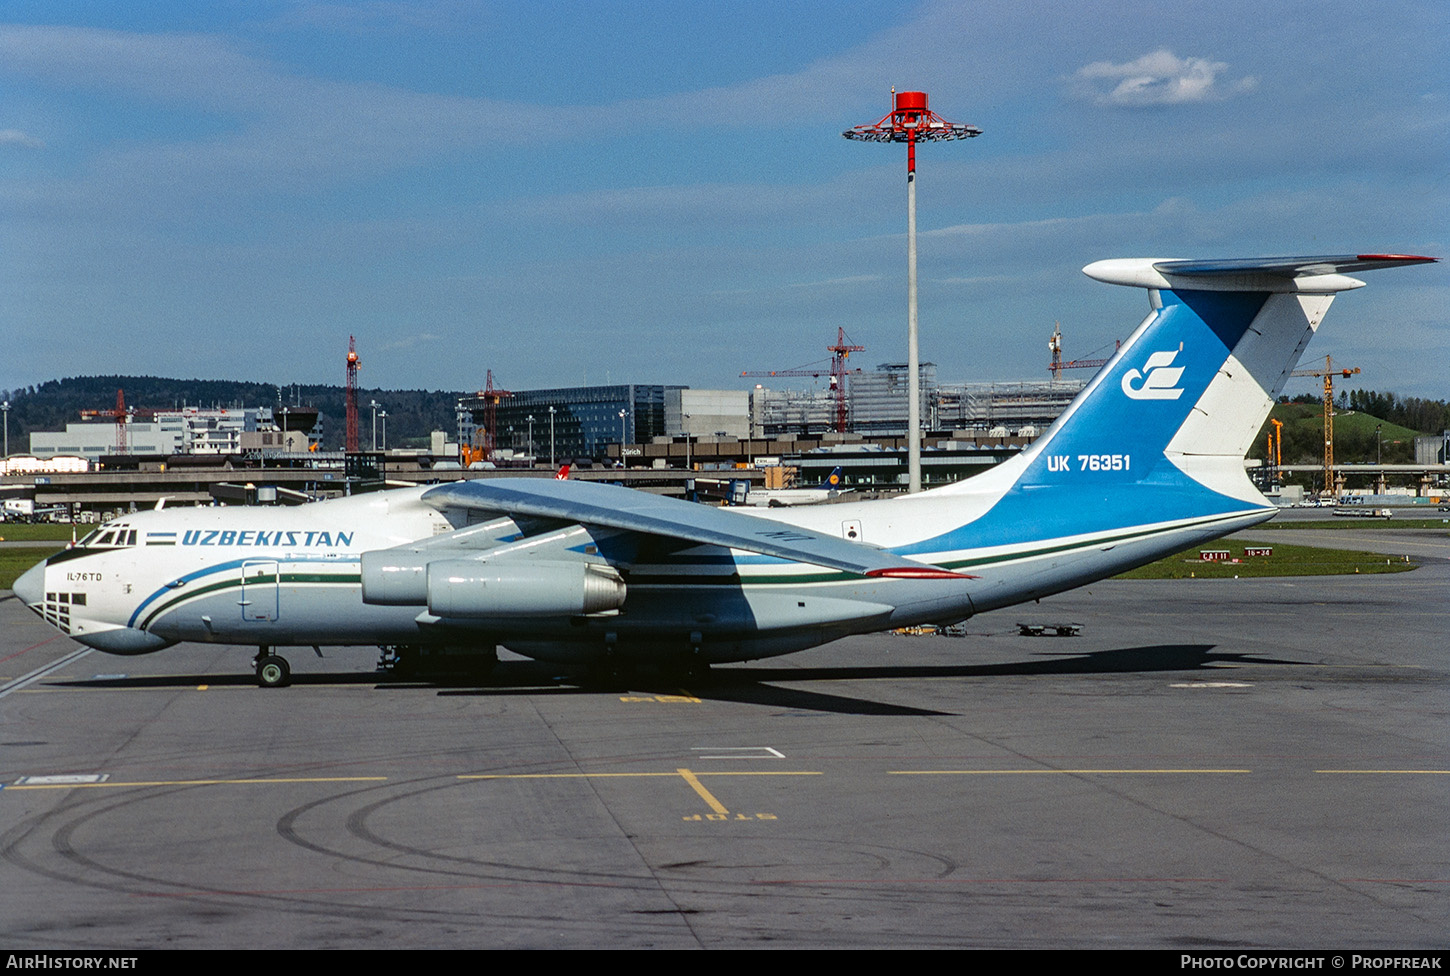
188,430
568,422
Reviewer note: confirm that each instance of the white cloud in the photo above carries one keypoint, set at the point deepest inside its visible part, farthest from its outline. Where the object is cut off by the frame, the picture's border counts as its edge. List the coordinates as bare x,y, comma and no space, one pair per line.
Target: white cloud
14,137
1159,78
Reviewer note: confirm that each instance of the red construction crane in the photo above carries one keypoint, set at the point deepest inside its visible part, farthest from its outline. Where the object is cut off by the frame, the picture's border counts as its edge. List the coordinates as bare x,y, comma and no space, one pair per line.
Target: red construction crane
838,372
484,438
122,415
351,402
1057,365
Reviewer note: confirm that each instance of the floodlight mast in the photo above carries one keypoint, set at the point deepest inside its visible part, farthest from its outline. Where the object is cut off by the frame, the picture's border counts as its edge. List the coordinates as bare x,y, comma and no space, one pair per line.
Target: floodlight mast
911,121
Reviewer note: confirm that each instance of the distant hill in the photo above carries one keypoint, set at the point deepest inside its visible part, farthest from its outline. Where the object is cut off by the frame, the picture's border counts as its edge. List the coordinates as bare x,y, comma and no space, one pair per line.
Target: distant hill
1354,436
412,414
1357,414
1416,413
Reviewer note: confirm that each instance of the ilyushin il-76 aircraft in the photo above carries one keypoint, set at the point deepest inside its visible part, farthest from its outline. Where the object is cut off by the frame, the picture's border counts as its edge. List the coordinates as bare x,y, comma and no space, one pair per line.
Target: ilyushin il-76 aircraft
1146,461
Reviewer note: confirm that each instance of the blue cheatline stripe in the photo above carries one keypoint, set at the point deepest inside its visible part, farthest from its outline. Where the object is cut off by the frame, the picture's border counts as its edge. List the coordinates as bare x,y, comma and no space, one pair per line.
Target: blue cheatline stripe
222,567
229,583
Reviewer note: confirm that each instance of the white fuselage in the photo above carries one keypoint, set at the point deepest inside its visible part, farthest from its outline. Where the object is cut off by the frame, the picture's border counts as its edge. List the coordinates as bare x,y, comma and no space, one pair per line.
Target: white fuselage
278,576
1146,461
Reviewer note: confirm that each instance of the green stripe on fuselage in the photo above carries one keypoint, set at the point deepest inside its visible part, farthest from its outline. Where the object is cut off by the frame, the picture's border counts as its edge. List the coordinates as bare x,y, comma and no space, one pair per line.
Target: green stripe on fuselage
236,583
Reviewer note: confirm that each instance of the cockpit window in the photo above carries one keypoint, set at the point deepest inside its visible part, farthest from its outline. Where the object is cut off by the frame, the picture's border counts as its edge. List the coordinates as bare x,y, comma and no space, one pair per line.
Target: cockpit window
104,538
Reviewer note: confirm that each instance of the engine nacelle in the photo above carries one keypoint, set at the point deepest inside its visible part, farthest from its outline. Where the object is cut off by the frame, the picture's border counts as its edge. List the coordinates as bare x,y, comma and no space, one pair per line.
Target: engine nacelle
393,578
477,588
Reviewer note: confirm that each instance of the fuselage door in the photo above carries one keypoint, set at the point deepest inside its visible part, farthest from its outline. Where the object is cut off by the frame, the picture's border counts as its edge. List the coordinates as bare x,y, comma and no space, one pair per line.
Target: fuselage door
260,579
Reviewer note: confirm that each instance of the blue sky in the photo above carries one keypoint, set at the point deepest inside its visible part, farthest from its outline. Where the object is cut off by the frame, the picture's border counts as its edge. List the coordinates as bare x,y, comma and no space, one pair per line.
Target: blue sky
570,192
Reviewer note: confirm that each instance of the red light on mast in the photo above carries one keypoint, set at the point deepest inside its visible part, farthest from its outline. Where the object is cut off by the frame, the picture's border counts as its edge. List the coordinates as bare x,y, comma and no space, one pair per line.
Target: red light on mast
912,121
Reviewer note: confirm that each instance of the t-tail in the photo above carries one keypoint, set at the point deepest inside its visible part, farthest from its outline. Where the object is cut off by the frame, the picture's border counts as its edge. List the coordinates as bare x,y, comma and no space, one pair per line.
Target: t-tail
1155,443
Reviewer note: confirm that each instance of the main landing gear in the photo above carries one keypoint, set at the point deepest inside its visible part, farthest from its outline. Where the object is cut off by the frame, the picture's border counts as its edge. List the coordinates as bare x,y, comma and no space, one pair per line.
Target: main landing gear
273,670
472,662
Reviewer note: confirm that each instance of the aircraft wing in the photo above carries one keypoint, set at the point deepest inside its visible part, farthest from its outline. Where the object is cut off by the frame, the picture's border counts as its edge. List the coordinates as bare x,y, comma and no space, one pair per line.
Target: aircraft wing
613,507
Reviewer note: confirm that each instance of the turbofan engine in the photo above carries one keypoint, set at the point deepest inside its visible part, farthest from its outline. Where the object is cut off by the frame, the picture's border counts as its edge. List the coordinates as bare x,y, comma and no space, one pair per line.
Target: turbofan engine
472,588
479,588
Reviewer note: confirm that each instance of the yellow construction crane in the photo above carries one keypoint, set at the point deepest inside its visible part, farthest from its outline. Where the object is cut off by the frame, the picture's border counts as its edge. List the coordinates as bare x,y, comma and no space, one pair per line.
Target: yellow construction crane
1328,373
1274,452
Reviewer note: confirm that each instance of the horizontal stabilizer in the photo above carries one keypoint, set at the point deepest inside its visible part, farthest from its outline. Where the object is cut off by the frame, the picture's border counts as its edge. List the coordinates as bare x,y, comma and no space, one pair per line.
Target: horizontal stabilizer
1318,273
1295,267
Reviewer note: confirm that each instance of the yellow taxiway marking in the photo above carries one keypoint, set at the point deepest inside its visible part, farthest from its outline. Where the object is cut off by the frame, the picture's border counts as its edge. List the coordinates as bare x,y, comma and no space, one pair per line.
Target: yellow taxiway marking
559,775
743,772
684,697
202,687
704,794
718,809
1049,772
200,782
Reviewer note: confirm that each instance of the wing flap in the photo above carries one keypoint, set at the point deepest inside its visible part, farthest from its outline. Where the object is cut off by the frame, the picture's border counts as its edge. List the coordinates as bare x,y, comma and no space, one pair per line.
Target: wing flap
613,507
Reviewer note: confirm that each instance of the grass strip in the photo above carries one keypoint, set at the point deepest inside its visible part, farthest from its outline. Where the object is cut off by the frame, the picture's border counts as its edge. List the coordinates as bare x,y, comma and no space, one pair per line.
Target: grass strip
1286,560
40,531
1429,522
15,561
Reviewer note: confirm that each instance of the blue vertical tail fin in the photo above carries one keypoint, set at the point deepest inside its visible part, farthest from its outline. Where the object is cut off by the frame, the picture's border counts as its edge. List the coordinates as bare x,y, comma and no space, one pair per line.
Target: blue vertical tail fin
1159,435
1184,397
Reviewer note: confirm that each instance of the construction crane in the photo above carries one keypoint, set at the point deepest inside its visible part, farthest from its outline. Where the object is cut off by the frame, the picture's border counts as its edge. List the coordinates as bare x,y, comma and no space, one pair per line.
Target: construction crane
838,372
351,402
484,437
1327,374
123,416
1273,452
1057,365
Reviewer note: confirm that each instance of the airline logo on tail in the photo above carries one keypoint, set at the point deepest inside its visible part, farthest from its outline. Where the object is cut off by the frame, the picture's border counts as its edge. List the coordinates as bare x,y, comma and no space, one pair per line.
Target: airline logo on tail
1159,379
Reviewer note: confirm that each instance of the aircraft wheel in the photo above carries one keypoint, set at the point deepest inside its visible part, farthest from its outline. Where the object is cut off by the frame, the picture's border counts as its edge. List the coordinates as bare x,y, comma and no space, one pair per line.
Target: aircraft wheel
273,672
401,661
